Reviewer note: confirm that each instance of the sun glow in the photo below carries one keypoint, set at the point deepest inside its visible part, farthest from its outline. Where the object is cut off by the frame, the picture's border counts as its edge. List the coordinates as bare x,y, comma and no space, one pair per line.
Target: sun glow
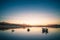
32,19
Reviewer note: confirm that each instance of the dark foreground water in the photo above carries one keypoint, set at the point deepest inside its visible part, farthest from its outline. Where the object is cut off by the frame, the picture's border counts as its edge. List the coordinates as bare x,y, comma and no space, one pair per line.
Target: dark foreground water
32,33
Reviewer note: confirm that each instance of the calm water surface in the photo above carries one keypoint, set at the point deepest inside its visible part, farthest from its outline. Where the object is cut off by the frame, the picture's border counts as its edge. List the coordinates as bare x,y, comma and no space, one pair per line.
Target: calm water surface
31,33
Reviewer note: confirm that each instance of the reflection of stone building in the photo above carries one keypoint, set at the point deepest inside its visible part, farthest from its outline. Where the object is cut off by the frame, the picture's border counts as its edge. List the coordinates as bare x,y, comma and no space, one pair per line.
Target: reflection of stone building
44,30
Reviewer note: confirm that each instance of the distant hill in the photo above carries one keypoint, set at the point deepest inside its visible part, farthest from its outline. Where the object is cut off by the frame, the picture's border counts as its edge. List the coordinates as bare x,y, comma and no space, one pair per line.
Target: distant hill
53,25
50,25
5,25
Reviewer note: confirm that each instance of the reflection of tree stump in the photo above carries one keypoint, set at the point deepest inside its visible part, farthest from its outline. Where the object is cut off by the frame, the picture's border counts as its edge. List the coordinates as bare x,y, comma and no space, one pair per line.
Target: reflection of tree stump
28,30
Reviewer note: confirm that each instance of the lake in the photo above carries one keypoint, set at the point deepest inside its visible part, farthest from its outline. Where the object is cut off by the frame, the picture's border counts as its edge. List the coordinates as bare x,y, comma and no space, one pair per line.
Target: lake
30,33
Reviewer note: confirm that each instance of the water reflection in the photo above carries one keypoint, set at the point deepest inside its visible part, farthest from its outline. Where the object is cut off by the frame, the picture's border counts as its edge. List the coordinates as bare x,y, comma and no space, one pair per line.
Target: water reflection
31,33
28,30
45,30
12,30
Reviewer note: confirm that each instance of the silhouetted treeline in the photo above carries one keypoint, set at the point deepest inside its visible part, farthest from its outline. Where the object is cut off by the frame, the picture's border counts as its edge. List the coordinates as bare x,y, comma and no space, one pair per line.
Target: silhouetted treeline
5,25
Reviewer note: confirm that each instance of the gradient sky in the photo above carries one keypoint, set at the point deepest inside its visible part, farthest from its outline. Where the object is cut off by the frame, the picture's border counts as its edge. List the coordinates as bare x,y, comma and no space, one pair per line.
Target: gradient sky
32,12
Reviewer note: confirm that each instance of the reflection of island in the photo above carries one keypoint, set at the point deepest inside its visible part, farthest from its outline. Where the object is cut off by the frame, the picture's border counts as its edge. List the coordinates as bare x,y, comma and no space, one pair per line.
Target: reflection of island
44,30
28,30
12,30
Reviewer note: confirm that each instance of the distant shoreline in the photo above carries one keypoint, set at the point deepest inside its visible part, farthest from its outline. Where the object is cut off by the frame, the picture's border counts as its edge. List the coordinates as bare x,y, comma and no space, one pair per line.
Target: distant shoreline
4,25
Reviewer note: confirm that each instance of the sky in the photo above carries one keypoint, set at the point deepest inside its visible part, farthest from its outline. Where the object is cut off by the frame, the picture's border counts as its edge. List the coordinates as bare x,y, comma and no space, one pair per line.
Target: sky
33,12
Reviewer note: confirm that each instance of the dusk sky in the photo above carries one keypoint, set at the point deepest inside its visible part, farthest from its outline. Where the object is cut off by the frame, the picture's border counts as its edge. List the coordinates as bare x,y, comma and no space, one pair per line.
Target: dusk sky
40,12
